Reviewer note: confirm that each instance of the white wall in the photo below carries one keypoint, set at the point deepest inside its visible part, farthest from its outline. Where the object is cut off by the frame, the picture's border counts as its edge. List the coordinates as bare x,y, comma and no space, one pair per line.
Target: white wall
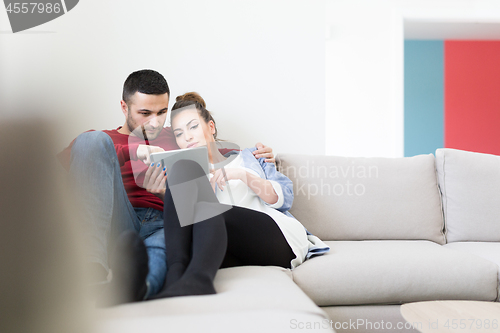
259,65
364,67
263,66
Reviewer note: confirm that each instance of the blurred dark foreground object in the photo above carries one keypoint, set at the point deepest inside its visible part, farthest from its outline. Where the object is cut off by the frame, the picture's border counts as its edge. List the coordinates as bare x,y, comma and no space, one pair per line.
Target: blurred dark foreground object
41,279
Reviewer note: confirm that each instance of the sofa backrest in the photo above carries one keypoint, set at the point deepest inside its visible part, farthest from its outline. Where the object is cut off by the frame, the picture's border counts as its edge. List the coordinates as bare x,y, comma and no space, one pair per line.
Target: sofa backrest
355,198
470,186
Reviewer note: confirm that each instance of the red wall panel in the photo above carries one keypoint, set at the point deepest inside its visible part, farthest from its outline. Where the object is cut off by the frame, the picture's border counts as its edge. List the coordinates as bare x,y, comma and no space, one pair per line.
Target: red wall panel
472,96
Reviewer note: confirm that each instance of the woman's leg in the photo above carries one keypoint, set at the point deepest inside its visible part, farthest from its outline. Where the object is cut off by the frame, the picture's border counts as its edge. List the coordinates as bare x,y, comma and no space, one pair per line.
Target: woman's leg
194,251
178,241
255,239
208,250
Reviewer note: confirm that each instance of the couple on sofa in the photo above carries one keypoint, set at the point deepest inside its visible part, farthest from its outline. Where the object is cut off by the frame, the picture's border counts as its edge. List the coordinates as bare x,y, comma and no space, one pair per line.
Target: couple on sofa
242,209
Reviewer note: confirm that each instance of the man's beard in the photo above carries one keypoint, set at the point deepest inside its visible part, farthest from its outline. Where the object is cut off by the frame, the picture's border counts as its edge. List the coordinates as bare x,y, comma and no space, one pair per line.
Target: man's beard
140,131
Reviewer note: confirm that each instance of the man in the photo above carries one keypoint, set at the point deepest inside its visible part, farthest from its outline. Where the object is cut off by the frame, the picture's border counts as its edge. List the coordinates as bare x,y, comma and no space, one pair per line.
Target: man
121,207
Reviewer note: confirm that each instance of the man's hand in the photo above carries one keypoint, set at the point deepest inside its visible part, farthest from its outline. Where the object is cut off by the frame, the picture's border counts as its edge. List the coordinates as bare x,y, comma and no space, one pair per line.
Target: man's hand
143,152
154,180
264,151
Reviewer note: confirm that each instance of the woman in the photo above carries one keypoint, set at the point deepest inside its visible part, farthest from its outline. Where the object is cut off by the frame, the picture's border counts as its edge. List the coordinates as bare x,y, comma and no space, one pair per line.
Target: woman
240,223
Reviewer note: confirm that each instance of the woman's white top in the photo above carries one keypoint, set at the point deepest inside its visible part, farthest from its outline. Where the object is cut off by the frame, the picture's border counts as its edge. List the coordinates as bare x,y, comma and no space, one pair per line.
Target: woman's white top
237,193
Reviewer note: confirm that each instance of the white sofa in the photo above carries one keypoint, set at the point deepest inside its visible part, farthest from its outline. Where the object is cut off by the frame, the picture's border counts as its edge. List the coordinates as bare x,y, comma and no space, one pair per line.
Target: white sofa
400,230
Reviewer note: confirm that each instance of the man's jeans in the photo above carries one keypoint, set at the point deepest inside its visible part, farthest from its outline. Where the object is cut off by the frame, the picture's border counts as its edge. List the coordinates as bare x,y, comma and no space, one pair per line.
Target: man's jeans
98,186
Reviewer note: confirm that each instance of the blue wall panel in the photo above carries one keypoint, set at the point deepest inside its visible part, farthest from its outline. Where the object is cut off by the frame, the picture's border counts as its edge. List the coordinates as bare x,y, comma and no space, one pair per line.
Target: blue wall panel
423,96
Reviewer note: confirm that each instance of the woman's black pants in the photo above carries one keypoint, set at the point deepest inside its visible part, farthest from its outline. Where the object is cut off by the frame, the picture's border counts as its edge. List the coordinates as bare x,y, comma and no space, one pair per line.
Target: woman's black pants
225,236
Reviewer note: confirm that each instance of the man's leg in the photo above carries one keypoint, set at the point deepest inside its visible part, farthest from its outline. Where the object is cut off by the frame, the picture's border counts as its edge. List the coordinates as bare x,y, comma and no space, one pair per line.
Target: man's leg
129,264
154,238
97,184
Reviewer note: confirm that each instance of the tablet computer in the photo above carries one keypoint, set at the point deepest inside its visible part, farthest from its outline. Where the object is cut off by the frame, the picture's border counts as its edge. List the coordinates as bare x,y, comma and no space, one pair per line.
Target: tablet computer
168,158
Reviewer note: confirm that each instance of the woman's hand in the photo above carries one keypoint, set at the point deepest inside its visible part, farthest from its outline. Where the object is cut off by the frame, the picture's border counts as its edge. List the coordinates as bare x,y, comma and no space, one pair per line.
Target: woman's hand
154,180
262,187
231,173
143,152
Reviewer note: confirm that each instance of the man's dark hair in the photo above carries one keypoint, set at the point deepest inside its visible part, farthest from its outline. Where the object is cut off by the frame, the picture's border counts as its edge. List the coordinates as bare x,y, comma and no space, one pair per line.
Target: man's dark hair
145,81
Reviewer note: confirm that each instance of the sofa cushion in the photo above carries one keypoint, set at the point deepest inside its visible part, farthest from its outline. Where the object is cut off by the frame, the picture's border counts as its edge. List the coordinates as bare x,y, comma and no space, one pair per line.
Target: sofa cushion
262,295
369,319
250,321
487,250
470,184
354,198
395,272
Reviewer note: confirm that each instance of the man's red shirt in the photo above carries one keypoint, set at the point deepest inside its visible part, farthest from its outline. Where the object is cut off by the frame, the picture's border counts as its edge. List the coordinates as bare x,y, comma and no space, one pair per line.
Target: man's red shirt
126,148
